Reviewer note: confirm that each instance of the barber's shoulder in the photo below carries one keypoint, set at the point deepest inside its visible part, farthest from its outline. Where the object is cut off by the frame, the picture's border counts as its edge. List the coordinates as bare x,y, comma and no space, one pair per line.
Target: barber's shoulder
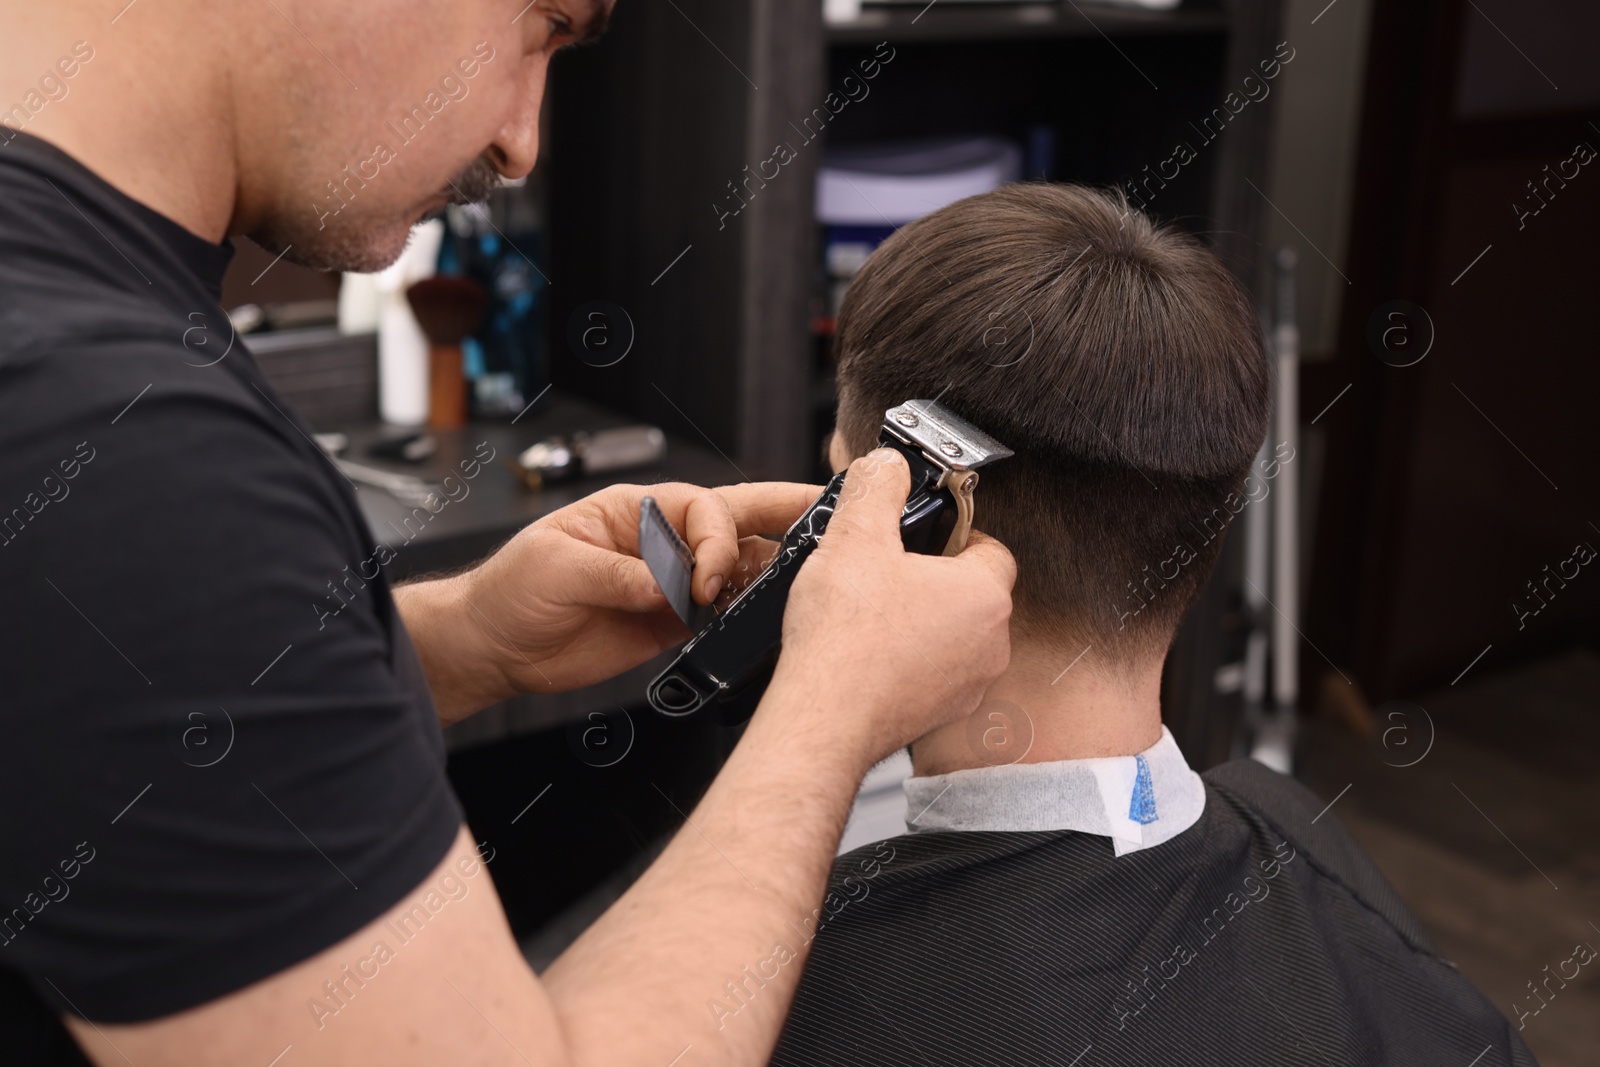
50,310
87,359
191,375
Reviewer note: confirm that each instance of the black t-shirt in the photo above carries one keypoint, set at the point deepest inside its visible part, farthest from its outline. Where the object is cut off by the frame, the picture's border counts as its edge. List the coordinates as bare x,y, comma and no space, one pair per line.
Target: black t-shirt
207,774
1260,935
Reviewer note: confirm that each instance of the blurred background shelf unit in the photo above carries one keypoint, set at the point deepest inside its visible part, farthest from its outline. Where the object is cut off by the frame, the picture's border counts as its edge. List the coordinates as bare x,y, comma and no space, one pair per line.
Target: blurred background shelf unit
647,136
656,141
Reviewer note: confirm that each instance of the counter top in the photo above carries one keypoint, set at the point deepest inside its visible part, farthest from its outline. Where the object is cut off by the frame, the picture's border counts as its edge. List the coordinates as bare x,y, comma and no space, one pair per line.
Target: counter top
497,504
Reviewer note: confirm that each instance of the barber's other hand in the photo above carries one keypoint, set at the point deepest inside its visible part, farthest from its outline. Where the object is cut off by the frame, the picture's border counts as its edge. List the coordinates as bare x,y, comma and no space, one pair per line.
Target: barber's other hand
568,602
892,644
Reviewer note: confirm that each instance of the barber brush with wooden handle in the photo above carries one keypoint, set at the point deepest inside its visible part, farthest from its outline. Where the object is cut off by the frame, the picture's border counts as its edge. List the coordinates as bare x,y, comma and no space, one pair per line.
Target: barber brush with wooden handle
448,309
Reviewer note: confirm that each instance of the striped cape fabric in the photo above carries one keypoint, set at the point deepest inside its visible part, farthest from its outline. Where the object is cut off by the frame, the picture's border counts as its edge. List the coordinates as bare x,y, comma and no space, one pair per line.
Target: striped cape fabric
1255,937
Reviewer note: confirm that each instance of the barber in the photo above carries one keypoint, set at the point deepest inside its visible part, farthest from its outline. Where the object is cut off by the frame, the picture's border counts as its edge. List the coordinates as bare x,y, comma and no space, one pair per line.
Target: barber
227,833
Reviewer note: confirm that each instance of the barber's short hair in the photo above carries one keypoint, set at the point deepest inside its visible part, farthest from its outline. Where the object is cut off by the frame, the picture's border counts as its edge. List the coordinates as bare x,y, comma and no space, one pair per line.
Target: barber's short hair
1117,357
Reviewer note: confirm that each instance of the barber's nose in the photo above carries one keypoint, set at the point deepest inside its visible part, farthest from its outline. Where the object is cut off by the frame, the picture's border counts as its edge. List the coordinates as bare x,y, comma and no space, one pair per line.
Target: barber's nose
516,146
514,152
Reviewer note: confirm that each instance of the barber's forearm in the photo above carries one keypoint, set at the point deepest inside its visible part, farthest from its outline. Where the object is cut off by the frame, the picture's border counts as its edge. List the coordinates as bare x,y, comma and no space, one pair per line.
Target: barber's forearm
745,876
451,647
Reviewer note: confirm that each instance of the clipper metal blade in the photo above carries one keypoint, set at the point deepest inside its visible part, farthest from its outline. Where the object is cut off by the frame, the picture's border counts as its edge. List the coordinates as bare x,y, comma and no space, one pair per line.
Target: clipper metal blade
945,437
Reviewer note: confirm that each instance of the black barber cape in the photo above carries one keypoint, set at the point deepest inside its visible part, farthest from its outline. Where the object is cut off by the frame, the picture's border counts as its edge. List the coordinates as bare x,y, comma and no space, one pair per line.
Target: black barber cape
206,774
1253,937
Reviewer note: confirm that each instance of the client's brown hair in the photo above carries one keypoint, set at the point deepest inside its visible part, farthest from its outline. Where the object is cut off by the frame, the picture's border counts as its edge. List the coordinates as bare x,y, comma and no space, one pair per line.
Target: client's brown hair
1117,357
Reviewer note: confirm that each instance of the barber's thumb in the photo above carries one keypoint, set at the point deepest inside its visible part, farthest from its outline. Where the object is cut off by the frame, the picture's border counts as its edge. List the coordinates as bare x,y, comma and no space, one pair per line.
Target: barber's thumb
874,495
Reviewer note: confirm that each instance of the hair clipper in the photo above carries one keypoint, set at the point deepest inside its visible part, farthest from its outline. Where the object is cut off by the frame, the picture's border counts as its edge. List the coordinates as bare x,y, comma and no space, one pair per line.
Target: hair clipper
731,657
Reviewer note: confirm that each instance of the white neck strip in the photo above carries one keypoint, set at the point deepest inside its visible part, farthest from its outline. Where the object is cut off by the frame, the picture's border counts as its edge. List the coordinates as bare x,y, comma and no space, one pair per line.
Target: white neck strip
1137,801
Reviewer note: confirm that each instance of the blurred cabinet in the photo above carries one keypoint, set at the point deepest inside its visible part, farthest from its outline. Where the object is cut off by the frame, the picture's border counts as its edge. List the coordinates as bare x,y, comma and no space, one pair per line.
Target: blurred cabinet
1458,486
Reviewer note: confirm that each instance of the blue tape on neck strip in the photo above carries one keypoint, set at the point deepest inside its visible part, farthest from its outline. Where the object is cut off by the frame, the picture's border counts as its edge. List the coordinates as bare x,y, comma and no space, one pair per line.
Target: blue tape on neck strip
1142,808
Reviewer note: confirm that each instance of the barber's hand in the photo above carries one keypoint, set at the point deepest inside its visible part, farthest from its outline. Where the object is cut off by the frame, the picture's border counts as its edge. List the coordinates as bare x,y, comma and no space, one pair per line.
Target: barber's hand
567,602
891,643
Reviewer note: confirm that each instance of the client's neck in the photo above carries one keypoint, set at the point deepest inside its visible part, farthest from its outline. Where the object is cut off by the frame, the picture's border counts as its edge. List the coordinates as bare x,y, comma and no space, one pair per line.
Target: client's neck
1090,709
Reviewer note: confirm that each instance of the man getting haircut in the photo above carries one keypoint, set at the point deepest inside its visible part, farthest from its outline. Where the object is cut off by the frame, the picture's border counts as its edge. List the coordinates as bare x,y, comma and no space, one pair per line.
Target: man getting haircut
1070,891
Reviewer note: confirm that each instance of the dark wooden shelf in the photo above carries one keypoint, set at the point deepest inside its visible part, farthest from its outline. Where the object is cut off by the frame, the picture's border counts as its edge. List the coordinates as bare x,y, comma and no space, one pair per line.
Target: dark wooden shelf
945,21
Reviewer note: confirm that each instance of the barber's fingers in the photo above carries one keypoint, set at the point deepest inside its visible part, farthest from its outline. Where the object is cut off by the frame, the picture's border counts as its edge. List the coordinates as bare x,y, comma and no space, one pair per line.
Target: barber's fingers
755,555
714,520
588,575
989,555
767,507
609,519
713,537
874,494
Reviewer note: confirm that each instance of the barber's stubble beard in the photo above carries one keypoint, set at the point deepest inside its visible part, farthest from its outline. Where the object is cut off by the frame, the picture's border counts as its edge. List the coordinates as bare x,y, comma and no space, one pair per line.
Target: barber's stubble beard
348,242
